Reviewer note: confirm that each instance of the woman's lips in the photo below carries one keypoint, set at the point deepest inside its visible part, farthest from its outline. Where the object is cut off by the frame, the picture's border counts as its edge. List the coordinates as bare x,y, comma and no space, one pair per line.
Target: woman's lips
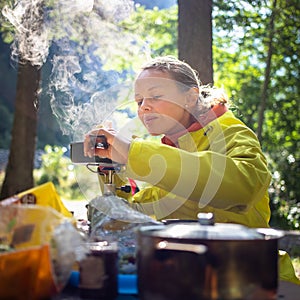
148,120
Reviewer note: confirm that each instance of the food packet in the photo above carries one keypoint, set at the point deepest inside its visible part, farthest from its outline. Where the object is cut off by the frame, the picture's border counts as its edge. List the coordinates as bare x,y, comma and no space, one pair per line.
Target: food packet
112,219
39,247
45,195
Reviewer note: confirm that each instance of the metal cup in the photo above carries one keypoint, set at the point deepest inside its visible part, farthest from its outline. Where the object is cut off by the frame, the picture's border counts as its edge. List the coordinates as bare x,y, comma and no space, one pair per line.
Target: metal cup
99,271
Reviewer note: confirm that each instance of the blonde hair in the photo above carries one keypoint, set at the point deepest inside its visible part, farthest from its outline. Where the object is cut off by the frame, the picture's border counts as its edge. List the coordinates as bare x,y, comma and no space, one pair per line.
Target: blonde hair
187,78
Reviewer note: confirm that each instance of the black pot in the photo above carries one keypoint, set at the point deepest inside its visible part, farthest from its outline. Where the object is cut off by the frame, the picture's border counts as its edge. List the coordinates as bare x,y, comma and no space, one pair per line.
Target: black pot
189,260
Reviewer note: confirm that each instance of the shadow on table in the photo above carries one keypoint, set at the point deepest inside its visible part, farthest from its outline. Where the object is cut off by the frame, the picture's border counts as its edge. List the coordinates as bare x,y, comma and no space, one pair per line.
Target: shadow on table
72,293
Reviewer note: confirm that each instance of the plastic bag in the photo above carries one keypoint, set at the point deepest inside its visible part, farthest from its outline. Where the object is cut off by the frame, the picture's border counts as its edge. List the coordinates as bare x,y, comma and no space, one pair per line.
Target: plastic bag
39,247
112,219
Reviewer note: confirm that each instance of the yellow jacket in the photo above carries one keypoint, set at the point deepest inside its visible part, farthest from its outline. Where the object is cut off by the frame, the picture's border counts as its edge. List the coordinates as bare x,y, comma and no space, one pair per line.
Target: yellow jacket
219,168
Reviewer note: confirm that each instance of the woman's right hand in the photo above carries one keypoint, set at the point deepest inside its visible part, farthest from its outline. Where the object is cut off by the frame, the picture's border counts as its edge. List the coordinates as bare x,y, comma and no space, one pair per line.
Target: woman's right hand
118,146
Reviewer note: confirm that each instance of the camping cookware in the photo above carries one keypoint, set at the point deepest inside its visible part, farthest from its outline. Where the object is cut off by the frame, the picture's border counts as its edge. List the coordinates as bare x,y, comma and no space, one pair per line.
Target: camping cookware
203,260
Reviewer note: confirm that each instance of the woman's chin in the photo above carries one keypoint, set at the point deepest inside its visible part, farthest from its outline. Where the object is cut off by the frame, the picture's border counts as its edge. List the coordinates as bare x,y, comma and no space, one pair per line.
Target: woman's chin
154,134
153,131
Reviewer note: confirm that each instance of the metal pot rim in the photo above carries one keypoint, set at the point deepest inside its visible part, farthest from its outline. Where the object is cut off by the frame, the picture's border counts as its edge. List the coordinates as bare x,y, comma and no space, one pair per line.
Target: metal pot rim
219,231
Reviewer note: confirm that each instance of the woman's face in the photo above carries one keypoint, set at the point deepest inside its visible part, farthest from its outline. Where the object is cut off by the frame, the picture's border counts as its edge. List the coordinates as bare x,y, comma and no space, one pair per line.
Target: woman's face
161,104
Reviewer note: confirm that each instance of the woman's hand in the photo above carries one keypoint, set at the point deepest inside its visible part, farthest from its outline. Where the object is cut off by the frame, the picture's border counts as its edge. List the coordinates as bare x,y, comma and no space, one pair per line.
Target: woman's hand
117,148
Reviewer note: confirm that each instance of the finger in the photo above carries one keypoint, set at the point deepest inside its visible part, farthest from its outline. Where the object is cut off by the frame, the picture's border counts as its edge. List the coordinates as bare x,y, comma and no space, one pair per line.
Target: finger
98,131
88,149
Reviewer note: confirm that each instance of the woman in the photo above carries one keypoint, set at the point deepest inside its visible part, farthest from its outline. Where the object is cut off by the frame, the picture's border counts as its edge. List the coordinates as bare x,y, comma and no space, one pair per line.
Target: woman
208,161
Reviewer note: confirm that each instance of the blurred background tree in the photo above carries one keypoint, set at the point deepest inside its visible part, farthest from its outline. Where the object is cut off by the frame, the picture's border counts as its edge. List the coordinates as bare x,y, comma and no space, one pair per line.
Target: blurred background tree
19,170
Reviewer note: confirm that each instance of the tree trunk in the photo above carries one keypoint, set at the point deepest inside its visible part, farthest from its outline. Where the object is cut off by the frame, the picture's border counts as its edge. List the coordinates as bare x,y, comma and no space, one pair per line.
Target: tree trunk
264,92
19,170
195,36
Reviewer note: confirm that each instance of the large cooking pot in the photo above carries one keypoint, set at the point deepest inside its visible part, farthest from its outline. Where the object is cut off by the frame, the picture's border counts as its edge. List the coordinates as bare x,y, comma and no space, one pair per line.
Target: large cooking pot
202,260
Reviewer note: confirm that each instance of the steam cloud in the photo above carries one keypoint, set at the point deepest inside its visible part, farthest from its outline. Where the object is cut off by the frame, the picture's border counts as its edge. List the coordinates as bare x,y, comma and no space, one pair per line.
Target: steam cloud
85,42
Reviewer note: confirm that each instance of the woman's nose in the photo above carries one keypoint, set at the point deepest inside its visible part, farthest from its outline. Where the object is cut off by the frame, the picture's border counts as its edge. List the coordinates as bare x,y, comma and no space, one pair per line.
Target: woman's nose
146,104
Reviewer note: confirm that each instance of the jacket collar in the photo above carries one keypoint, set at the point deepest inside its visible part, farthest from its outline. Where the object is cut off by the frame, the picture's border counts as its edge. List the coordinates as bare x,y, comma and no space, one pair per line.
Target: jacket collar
215,112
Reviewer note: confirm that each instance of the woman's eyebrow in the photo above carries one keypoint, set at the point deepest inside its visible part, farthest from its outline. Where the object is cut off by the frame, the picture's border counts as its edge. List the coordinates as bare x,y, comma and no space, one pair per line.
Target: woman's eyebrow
155,87
150,89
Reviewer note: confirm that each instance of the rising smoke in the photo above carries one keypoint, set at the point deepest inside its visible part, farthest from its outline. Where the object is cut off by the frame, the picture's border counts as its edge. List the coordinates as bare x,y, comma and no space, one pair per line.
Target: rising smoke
83,41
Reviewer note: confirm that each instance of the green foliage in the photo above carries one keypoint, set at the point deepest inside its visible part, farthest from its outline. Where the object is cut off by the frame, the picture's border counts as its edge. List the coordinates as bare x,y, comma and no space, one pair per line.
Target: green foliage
58,169
156,28
6,29
241,43
284,190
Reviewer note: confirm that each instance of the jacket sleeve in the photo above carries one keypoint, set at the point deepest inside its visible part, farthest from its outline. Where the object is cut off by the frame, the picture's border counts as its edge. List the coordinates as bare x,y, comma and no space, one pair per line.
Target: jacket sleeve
231,174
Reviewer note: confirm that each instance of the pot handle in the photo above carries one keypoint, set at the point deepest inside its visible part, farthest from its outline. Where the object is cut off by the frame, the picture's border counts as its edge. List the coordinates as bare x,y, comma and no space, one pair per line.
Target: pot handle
165,245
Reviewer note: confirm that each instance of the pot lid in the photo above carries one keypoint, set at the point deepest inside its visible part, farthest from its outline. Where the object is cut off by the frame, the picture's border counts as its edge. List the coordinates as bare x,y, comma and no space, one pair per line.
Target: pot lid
205,228
215,232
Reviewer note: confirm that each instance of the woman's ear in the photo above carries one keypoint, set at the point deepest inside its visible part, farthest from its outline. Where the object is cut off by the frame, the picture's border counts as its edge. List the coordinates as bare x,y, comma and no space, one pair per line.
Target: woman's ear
192,96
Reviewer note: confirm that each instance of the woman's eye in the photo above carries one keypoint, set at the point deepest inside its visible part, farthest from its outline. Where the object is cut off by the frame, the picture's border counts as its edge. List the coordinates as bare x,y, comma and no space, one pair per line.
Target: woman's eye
157,96
139,102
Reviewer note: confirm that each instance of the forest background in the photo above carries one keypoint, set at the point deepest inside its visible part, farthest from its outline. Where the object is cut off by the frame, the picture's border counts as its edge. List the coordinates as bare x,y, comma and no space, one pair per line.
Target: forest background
255,59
